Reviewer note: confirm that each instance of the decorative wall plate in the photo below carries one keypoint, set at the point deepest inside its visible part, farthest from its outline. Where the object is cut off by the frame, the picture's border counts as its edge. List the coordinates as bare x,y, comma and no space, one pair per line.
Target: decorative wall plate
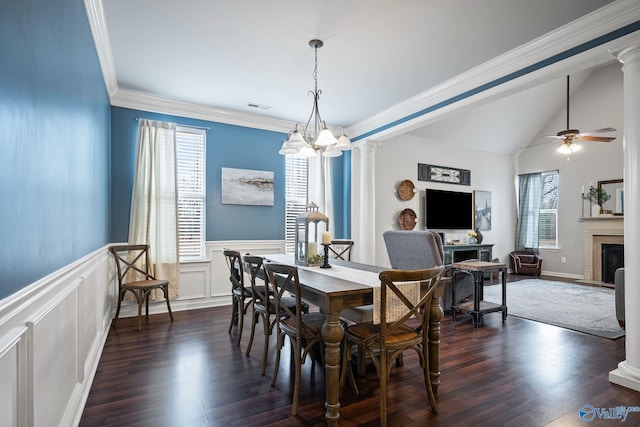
406,190
407,219
444,174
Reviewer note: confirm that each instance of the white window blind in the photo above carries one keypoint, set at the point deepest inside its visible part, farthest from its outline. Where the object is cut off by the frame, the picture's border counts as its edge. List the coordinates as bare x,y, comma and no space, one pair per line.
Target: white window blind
191,174
295,195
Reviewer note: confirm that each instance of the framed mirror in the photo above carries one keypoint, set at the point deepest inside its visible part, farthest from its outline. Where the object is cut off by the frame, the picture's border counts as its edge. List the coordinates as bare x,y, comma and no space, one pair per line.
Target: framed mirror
615,188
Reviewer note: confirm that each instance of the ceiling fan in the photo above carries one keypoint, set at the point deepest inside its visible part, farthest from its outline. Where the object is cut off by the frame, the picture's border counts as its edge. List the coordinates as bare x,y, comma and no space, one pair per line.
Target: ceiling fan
568,136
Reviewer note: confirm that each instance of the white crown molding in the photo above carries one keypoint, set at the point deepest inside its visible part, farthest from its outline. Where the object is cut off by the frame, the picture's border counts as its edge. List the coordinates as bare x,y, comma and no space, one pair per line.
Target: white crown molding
98,25
145,102
583,30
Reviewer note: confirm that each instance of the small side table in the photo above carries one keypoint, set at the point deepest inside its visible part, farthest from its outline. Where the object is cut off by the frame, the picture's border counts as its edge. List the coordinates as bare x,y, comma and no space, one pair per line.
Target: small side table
478,307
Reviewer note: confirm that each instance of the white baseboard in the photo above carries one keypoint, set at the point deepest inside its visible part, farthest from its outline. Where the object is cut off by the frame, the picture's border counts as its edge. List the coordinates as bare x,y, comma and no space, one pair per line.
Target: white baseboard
563,275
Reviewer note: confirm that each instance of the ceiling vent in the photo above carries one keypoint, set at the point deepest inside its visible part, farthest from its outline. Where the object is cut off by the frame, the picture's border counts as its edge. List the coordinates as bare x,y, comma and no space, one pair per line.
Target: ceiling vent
260,106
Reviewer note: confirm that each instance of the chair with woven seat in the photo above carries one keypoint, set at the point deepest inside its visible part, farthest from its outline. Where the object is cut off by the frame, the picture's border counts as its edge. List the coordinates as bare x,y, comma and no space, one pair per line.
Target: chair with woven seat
341,249
303,329
241,295
401,322
264,304
134,268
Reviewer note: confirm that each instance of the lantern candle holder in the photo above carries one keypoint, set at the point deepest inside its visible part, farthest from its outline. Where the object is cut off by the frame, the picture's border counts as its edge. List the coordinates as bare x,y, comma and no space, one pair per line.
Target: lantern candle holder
306,235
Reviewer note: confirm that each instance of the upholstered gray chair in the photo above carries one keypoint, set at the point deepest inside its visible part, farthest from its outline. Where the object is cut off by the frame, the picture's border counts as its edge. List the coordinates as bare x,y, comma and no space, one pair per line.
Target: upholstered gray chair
419,249
618,281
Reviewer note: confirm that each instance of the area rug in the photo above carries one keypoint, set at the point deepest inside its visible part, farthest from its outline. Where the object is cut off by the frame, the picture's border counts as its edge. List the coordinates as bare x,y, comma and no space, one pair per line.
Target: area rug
587,309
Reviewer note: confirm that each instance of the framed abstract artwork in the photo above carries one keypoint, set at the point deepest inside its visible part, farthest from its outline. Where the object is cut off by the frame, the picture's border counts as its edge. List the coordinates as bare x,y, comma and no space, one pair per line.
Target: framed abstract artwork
482,210
247,187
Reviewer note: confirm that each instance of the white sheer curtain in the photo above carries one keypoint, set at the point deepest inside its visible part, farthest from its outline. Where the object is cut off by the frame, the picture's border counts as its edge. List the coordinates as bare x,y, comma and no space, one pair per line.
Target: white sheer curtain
321,187
154,201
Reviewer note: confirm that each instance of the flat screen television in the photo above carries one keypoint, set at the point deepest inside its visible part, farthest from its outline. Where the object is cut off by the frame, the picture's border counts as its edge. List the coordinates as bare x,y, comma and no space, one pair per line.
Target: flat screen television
448,210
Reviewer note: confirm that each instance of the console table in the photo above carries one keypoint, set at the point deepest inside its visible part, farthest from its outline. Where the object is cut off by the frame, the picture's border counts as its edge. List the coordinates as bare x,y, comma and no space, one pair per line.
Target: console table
477,308
462,252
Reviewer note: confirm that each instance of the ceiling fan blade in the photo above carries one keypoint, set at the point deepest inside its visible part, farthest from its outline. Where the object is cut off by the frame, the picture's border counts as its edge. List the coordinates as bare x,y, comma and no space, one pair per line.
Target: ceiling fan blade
594,138
559,138
592,132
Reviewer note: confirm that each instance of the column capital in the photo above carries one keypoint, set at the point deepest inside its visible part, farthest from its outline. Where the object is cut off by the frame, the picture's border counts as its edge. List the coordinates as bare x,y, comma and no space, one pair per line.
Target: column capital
629,55
366,145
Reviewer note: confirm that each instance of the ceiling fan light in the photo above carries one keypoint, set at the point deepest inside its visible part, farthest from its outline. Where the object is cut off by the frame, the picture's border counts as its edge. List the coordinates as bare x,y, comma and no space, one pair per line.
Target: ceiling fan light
568,148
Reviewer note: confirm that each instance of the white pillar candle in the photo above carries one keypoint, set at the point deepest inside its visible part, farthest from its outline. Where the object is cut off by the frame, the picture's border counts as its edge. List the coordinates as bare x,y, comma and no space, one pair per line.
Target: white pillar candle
313,249
326,238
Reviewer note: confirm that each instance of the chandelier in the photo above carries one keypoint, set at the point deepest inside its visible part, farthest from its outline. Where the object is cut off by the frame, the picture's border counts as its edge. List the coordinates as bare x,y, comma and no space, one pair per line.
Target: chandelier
299,141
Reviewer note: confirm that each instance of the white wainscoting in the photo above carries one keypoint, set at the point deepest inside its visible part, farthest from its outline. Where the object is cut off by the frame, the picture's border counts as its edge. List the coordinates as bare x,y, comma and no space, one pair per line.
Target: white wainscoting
51,338
52,332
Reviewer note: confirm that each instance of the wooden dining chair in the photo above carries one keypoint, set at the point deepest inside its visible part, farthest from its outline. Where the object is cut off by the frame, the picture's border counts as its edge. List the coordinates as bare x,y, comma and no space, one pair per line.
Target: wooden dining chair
303,329
241,295
400,323
134,269
264,306
341,249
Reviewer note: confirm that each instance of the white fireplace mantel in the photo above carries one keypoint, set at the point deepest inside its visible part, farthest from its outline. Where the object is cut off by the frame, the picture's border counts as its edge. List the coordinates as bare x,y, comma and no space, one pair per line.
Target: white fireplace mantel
599,229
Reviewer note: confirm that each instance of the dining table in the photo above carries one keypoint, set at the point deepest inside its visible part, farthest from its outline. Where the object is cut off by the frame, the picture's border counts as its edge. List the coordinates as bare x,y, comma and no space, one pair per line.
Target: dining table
350,284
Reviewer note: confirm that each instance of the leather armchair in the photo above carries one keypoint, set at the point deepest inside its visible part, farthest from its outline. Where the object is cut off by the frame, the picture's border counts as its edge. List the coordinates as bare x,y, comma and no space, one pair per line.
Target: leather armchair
526,262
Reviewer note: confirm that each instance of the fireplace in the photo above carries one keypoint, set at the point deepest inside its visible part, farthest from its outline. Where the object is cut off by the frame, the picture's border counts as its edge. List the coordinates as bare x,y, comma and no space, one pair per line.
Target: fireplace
599,231
612,259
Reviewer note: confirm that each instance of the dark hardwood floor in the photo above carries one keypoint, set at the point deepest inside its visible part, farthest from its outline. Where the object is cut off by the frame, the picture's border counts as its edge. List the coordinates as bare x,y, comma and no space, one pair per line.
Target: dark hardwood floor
192,373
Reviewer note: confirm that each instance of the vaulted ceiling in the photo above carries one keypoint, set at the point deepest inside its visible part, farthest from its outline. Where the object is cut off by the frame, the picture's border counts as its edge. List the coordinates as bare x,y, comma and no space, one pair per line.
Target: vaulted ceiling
381,60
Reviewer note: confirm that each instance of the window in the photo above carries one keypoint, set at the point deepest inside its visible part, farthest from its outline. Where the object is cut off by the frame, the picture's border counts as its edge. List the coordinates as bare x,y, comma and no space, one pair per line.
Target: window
537,224
548,220
295,196
190,159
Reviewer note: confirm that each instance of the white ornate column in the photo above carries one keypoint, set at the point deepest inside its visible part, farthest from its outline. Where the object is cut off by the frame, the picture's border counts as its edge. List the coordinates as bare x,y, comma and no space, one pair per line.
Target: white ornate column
628,372
363,202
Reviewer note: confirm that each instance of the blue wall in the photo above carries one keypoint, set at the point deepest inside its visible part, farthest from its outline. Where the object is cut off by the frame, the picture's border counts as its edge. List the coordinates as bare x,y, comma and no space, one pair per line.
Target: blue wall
54,141
65,179
227,146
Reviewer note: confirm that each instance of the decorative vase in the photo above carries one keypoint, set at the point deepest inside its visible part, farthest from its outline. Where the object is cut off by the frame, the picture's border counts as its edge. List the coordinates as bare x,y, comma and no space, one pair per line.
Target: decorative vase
595,209
479,236
472,240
